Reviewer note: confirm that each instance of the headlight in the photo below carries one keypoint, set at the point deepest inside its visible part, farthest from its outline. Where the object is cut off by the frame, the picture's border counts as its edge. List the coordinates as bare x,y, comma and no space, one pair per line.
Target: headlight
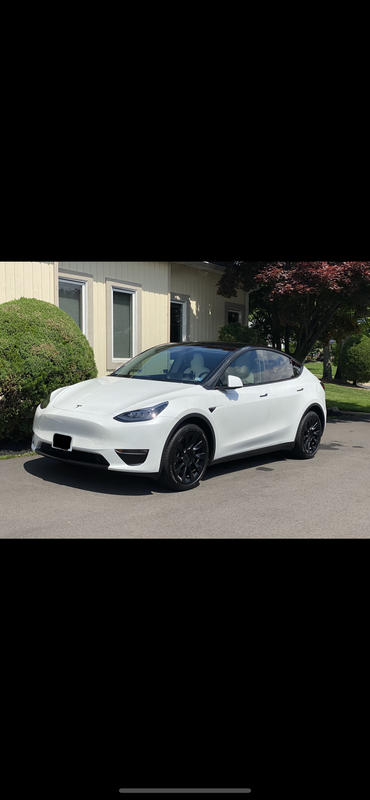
142,415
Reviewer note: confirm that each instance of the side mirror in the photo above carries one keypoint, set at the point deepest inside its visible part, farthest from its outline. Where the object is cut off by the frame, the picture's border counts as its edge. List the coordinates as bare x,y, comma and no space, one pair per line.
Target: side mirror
233,382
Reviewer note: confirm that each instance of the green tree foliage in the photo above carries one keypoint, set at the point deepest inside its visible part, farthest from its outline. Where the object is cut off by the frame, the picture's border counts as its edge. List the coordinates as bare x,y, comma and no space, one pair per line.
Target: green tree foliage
355,359
41,349
297,300
235,332
343,323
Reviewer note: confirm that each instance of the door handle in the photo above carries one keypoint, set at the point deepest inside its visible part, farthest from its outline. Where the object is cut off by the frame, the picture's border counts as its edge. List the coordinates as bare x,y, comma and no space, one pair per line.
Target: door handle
264,395
300,390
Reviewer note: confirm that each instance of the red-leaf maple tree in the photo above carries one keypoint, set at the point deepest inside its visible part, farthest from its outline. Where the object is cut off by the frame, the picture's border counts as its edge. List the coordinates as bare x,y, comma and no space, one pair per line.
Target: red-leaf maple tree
306,294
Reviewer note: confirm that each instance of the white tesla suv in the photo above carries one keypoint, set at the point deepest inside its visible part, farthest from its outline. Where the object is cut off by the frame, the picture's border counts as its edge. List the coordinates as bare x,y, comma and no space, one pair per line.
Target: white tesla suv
176,408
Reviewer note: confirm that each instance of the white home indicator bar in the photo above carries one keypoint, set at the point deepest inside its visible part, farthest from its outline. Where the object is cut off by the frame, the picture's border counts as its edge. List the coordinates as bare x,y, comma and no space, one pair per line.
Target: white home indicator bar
185,791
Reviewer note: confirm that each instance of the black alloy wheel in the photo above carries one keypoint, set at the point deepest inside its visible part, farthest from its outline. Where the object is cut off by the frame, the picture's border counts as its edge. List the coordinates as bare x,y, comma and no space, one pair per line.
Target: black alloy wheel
308,436
186,458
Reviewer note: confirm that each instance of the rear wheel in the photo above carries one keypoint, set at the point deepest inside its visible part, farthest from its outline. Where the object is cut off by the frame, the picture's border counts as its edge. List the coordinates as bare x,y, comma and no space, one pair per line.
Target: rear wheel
185,459
308,436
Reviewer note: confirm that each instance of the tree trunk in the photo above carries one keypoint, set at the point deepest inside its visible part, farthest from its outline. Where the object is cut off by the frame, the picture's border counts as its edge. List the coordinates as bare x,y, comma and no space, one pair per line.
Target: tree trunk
327,371
338,374
287,340
312,329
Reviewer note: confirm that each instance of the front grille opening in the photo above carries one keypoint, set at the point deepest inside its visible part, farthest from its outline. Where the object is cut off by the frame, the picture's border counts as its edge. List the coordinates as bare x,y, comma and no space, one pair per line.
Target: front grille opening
133,457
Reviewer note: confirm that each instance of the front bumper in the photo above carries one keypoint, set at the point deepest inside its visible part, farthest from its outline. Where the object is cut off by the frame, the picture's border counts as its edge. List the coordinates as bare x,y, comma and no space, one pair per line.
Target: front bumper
95,442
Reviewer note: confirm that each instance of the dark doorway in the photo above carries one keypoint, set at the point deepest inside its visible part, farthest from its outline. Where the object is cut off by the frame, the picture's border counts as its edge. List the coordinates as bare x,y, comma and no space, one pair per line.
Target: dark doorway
177,322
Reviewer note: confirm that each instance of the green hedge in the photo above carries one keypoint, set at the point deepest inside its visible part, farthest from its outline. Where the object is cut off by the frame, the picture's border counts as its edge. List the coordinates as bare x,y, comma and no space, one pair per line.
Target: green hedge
355,359
41,349
235,332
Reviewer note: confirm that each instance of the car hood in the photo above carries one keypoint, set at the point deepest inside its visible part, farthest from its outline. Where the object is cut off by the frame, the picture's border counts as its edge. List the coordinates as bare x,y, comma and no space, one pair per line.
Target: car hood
111,395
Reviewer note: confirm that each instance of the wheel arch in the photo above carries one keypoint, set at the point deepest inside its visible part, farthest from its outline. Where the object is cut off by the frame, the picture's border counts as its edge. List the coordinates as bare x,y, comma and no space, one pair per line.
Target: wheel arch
203,423
314,407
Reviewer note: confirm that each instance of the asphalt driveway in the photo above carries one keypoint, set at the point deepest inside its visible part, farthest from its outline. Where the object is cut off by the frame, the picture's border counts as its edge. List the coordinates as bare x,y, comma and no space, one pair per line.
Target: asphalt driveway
270,496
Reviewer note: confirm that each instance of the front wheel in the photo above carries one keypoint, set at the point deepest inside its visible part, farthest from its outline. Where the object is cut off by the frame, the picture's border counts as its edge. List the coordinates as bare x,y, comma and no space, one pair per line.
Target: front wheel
185,459
308,436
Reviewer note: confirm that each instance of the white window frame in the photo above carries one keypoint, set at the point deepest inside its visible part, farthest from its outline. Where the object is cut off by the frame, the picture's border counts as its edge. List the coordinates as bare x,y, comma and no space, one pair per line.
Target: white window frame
135,289
84,297
184,316
236,308
133,342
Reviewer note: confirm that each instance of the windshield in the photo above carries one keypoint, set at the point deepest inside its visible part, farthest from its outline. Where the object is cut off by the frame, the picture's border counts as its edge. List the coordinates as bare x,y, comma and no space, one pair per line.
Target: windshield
181,364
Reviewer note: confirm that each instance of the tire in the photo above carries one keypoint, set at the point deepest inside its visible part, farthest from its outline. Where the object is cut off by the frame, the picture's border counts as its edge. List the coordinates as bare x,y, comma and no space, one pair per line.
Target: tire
185,459
308,436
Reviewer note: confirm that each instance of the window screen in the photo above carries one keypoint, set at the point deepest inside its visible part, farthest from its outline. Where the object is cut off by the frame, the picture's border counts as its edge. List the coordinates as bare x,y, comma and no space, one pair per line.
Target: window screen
122,324
70,300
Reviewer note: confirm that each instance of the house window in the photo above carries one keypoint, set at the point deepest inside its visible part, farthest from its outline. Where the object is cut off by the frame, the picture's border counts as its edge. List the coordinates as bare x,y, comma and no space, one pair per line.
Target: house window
178,331
122,317
234,313
234,316
179,328
72,300
124,321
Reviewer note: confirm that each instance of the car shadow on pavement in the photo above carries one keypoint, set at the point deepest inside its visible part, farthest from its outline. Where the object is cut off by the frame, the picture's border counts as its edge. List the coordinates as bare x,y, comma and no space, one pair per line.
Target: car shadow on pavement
115,483
264,463
90,479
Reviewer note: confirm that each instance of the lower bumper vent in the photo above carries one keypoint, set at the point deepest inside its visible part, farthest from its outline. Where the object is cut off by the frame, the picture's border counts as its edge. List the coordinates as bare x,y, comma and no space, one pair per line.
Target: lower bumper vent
76,456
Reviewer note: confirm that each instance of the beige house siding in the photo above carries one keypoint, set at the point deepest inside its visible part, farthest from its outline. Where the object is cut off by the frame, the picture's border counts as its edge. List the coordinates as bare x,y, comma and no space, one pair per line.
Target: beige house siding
27,279
154,284
151,276
207,308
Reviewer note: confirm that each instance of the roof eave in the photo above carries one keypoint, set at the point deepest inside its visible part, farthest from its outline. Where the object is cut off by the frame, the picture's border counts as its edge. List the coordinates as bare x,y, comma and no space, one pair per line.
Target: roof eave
208,266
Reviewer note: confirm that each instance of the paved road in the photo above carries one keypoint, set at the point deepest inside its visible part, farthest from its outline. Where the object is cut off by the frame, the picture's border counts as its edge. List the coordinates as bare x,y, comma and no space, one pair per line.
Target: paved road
273,496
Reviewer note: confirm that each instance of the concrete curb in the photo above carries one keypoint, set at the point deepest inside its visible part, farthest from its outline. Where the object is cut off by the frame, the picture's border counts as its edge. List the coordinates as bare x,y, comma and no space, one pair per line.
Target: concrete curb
350,415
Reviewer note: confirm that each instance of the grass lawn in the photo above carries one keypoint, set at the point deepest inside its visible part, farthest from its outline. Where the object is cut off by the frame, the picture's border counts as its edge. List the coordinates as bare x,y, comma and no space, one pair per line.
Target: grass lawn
344,397
17,455
9,449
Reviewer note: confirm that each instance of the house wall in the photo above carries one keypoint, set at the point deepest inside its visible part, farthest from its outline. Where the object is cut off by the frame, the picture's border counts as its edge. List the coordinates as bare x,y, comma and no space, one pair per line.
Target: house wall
207,308
156,283
27,279
152,277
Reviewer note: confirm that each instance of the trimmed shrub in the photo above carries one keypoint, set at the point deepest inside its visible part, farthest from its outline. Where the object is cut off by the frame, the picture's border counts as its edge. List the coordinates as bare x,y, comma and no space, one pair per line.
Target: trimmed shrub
235,332
355,359
41,349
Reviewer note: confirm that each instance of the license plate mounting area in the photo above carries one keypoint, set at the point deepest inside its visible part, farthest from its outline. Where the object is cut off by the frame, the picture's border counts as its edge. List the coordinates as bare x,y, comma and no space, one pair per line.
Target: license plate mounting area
61,442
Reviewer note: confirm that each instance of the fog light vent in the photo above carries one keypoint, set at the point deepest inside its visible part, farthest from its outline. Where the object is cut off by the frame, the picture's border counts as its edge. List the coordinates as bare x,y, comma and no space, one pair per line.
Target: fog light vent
133,457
